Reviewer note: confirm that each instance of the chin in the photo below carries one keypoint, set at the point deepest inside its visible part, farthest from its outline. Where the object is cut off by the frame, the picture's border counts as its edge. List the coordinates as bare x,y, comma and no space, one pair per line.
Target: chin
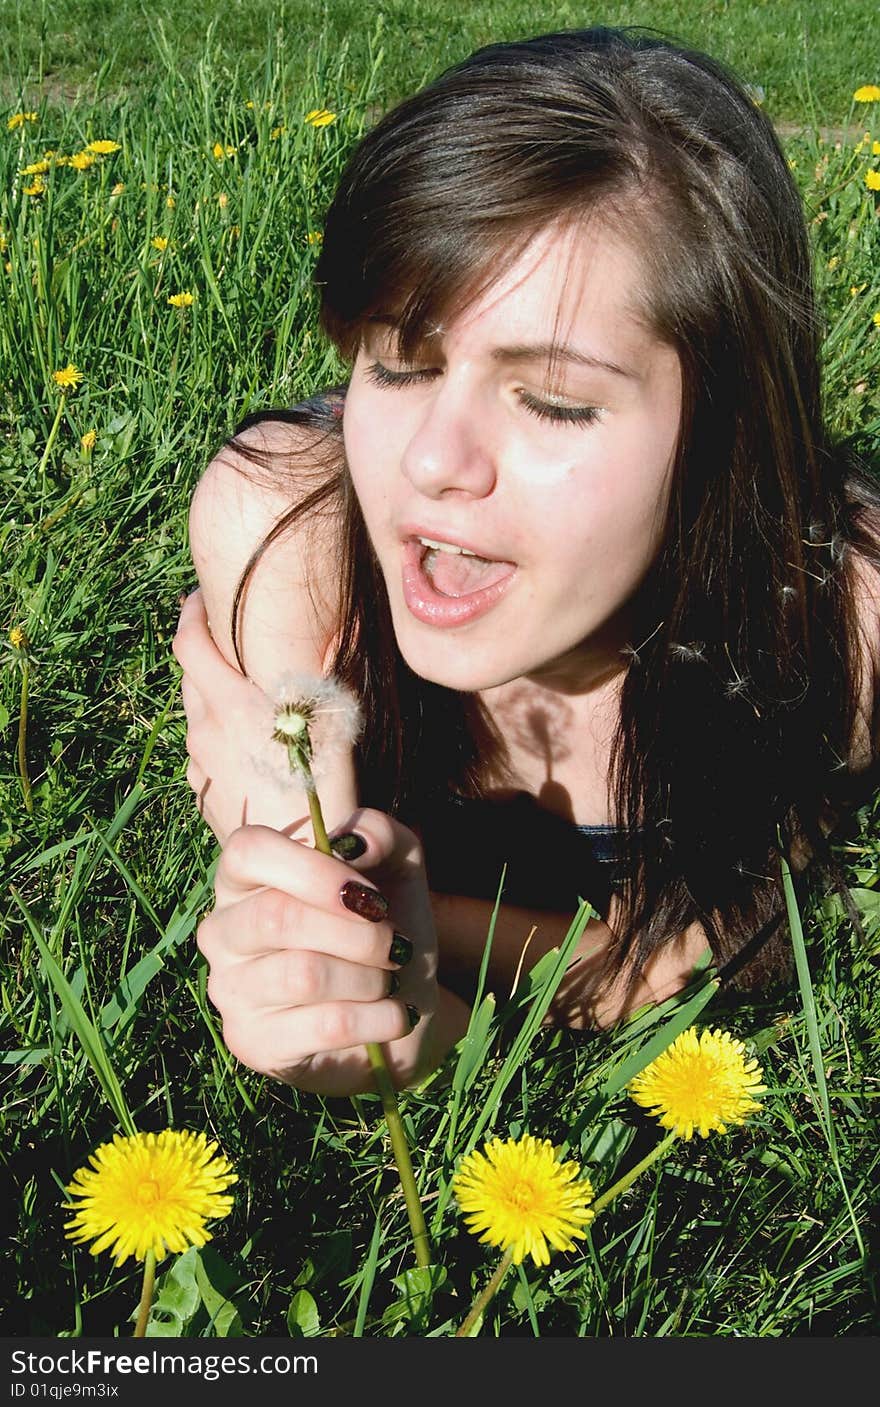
457,667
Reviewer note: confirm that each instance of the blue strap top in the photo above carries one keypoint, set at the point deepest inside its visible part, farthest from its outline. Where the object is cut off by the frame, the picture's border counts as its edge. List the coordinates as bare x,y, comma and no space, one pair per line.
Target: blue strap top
551,863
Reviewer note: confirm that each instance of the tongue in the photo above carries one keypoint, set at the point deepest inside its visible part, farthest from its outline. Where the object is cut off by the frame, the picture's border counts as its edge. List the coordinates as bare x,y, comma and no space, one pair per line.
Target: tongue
457,575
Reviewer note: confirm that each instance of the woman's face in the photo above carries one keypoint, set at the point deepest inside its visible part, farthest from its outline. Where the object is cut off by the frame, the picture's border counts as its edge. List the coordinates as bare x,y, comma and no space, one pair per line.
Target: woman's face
555,471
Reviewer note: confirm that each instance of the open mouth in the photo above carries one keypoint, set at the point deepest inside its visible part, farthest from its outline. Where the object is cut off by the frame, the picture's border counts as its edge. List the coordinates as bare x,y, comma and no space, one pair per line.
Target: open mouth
444,584
456,571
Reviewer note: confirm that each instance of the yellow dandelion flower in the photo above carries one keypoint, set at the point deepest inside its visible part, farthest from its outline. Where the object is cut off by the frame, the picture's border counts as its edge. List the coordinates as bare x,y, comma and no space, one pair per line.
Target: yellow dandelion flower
856,289
223,200
159,242
17,638
250,104
276,131
36,187
103,147
36,168
88,441
833,261
68,378
170,202
182,300
82,160
876,318
872,180
868,93
875,149
315,237
320,117
149,1192
118,188
219,151
521,1197
702,1081
18,119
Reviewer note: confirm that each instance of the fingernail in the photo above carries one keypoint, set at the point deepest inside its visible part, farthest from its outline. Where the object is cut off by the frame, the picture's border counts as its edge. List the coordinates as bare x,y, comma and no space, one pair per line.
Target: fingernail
401,950
364,901
414,1015
348,846
181,600
393,984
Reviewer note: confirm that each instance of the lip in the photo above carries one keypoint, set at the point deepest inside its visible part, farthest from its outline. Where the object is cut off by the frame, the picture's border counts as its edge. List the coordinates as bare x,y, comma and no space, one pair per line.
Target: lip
445,612
413,530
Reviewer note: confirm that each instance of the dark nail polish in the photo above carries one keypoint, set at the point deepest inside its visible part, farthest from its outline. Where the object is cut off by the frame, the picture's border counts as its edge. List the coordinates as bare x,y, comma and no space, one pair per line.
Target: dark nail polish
349,846
414,1015
393,984
401,950
364,901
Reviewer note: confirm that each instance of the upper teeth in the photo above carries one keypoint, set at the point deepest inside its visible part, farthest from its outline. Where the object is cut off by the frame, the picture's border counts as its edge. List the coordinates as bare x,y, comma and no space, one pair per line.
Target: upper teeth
446,547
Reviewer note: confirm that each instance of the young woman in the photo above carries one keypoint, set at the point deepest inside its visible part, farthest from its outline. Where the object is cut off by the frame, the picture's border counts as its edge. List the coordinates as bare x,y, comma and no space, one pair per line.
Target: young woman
575,536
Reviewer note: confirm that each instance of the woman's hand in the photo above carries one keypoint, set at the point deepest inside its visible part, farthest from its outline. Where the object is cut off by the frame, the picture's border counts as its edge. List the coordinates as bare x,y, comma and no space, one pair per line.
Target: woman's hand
239,775
303,949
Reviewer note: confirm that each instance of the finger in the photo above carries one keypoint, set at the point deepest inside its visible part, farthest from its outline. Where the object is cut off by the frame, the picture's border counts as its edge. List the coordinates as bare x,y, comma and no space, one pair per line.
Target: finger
283,1039
194,649
256,856
297,977
193,700
267,921
387,848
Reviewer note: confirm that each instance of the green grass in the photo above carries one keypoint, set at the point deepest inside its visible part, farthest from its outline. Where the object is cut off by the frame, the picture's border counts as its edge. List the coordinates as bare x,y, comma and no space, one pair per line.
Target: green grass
765,1231
807,57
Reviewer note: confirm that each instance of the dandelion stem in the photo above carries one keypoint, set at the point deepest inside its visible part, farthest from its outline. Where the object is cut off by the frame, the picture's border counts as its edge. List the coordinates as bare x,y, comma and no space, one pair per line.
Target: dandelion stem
400,1148
22,739
140,1328
299,756
485,1295
322,843
53,434
629,1178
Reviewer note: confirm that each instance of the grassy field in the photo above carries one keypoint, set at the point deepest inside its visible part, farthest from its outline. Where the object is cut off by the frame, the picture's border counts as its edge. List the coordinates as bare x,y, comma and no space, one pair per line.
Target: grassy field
216,191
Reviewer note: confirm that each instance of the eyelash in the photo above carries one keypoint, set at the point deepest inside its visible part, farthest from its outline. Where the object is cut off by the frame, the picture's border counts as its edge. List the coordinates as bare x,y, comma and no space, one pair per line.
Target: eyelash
557,415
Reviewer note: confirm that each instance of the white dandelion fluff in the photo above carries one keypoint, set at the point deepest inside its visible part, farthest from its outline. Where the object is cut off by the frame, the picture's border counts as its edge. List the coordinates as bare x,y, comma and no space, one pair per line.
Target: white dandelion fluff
315,719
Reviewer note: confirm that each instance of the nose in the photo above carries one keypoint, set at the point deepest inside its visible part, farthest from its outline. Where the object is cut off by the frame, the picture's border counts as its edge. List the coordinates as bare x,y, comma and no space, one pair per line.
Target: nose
448,451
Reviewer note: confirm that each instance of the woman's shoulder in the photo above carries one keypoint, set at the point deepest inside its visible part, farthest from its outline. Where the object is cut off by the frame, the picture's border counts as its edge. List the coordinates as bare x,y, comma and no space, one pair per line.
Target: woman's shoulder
244,528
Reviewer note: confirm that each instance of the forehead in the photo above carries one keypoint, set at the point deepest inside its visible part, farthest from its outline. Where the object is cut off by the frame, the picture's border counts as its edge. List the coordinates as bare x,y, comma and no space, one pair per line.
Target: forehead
567,283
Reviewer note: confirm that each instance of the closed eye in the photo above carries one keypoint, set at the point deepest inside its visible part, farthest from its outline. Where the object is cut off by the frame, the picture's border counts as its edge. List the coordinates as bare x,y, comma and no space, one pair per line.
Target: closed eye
560,414
381,376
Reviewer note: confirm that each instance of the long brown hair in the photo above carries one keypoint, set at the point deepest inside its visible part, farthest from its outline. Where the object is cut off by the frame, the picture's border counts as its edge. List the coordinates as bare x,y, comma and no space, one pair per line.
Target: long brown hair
740,700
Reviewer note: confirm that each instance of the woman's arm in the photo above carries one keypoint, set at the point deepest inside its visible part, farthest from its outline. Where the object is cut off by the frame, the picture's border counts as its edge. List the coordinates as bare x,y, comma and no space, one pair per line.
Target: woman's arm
302,981
286,626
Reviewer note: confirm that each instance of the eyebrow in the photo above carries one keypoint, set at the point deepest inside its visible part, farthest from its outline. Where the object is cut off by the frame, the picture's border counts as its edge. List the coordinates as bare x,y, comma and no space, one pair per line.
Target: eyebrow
537,351
554,352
